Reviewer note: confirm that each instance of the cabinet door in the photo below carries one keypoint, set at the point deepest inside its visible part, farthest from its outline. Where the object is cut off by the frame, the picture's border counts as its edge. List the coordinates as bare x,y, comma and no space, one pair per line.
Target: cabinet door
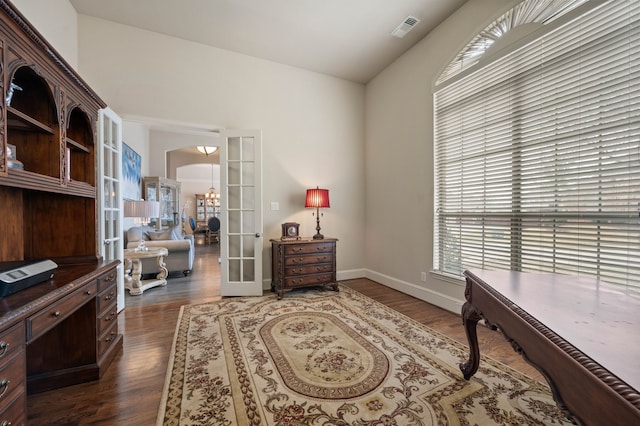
110,202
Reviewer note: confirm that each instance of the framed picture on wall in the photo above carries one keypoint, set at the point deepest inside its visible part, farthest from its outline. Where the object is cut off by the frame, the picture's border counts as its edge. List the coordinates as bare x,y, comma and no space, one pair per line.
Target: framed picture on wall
131,170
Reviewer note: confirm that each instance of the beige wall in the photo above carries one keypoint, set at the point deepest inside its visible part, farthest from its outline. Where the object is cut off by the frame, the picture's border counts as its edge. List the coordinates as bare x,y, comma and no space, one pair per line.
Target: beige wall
399,159
57,21
312,124
314,129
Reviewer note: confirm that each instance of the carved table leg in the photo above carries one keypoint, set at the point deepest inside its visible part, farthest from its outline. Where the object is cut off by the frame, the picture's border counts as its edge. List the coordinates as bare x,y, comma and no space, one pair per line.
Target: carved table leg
163,269
128,266
136,278
470,318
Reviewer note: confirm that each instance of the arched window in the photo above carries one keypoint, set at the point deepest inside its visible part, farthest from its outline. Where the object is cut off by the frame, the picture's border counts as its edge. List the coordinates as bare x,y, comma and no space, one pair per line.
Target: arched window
537,146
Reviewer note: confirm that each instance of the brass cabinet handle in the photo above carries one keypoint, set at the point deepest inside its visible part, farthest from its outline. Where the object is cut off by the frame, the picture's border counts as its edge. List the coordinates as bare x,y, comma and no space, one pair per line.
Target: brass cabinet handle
4,384
4,346
5,423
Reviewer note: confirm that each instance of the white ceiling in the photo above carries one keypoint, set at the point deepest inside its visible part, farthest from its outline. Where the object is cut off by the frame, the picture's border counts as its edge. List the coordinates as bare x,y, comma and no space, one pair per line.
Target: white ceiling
349,39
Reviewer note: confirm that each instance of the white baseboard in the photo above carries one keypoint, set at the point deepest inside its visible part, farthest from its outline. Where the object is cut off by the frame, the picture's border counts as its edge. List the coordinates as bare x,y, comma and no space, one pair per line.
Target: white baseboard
443,301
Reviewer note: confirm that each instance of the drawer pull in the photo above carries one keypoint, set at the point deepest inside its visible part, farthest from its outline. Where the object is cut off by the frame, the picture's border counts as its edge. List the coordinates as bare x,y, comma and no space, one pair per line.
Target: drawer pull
111,336
5,423
56,314
109,296
110,317
4,384
4,346
88,292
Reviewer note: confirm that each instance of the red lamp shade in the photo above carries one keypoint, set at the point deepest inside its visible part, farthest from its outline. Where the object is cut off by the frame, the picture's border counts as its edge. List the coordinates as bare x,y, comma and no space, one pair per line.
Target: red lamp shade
317,198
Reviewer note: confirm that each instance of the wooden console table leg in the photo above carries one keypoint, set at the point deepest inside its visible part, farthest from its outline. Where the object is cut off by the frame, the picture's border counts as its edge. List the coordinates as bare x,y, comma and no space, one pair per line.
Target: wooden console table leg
470,318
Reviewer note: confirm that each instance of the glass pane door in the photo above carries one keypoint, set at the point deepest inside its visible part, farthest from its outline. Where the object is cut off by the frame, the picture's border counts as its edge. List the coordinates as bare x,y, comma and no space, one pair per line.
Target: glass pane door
241,205
110,192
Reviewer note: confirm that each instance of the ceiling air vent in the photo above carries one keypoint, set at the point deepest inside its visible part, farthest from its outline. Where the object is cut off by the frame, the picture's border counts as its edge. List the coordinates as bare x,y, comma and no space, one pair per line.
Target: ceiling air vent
406,26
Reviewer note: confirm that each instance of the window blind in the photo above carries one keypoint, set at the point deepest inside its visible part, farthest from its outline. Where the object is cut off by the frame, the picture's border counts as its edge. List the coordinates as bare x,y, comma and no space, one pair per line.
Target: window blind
537,154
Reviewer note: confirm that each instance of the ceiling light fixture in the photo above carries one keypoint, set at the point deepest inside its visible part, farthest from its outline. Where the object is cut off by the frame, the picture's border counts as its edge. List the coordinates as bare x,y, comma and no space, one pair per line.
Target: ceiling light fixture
206,150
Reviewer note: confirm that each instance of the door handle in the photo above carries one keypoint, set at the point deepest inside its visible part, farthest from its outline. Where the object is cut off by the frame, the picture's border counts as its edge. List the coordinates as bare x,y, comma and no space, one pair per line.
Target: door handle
107,242
258,235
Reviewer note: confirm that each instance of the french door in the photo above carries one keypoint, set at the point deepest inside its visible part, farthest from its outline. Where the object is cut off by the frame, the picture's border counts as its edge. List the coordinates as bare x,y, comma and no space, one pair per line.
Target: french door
241,209
109,188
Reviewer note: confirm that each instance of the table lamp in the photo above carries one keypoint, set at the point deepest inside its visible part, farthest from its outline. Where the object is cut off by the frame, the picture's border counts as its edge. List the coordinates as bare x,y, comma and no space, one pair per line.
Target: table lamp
141,211
317,198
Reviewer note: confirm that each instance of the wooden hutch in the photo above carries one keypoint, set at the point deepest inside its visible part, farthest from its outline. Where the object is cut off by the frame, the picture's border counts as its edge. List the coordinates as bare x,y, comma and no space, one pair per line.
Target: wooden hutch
62,331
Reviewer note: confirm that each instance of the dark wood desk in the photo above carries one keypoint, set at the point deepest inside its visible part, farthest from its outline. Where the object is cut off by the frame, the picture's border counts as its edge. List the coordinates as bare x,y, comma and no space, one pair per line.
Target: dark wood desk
61,332
582,334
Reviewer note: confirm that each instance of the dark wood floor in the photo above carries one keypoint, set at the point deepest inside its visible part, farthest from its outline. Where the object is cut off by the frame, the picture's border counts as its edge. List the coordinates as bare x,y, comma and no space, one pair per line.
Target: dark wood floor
129,393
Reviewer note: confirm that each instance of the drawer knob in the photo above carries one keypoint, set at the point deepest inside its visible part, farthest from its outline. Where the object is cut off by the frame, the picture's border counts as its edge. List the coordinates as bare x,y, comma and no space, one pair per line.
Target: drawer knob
5,423
4,346
88,293
4,385
56,314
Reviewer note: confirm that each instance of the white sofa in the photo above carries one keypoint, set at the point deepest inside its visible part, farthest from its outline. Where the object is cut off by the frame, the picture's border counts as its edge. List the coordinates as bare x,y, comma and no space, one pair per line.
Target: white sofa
181,248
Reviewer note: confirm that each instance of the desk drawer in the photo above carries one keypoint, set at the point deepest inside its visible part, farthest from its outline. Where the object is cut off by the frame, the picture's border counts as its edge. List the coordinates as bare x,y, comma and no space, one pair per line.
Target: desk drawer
308,248
305,280
105,280
308,269
107,339
107,318
12,378
14,413
307,259
106,298
11,342
46,319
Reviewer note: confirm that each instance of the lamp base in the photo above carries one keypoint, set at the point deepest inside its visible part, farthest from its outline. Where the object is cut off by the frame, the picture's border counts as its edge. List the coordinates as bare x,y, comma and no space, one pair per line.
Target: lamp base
318,236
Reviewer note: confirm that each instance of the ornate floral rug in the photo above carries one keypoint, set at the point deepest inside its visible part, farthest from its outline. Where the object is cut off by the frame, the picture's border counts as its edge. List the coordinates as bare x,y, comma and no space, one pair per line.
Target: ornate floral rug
325,358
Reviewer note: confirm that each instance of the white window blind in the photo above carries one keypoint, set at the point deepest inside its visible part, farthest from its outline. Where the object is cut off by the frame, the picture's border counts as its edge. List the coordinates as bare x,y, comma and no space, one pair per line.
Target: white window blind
537,155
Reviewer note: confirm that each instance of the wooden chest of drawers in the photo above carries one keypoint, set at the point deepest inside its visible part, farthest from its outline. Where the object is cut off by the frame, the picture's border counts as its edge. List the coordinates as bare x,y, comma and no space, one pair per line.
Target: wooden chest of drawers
303,263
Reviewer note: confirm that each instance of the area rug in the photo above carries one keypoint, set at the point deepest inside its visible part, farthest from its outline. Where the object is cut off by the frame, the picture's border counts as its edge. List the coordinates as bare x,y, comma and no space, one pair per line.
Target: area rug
333,358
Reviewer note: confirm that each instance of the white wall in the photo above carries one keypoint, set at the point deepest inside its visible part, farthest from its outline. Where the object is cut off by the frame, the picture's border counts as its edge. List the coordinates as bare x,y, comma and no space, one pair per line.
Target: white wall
57,21
312,124
313,127
399,158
